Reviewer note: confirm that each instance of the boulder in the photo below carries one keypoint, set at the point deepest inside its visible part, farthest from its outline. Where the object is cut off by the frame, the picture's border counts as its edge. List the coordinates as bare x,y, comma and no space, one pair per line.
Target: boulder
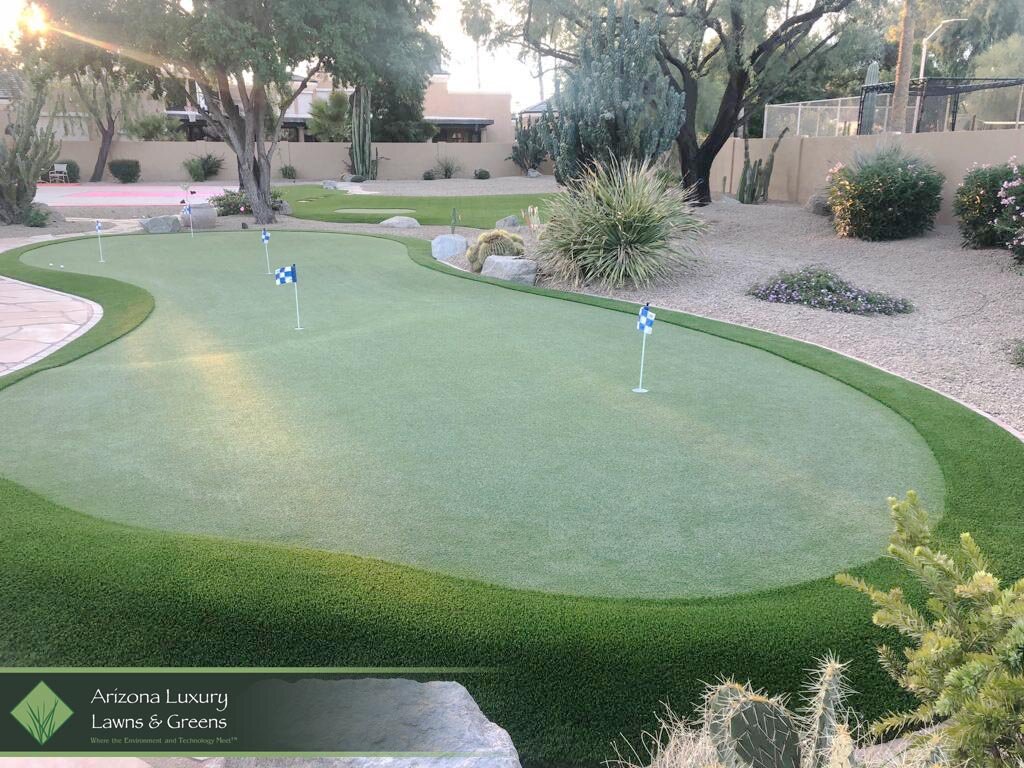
375,715
204,216
161,225
400,222
818,204
448,247
330,184
508,222
284,207
533,173
515,269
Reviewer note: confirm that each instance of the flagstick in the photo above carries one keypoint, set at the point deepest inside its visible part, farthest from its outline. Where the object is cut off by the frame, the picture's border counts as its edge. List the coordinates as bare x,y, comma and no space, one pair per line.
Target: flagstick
298,319
191,229
99,242
643,350
266,249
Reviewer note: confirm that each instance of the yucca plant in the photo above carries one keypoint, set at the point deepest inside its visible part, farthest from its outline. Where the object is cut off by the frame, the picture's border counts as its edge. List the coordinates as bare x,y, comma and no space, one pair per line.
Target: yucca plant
965,662
620,223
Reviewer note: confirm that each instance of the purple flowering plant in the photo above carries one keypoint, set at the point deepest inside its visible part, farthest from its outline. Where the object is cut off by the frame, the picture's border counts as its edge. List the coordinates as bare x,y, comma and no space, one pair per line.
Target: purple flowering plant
820,288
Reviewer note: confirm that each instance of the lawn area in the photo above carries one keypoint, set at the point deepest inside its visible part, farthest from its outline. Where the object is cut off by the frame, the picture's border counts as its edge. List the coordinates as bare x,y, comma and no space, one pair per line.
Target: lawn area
310,201
216,488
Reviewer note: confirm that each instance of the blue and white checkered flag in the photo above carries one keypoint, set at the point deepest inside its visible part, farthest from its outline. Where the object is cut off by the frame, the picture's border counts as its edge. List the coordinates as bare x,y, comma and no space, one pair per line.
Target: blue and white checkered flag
284,275
645,320
99,226
265,235
187,210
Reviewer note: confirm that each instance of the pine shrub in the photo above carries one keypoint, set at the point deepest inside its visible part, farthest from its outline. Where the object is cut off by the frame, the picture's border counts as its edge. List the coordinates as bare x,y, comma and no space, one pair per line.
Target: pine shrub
125,171
978,207
621,223
885,195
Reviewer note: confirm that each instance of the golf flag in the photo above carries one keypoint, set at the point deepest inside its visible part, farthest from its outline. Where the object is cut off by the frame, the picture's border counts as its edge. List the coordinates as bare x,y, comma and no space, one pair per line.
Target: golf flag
645,320
99,238
644,324
187,211
285,275
265,237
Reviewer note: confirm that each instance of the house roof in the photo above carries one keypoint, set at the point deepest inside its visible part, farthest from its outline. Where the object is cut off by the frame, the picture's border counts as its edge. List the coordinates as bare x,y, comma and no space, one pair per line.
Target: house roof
437,120
535,109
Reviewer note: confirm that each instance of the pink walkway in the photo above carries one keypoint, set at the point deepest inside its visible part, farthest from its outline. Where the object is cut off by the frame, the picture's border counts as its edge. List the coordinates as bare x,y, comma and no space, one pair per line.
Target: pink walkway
103,194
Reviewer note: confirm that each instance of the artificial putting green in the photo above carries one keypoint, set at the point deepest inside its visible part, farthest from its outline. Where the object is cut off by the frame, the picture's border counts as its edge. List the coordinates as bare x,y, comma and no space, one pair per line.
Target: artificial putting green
454,426
568,674
482,211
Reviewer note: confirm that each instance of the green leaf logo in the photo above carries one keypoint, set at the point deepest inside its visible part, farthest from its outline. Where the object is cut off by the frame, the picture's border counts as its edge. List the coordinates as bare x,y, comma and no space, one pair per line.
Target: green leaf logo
42,713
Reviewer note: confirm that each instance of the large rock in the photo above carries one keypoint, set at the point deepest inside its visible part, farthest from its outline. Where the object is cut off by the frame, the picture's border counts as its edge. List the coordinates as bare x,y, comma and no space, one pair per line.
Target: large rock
161,225
508,222
515,269
284,207
533,173
373,715
330,184
818,204
400,222
448,247
204,216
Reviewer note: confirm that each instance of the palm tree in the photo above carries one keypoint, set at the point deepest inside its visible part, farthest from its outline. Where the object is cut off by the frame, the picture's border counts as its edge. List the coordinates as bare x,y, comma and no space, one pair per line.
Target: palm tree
477,22
901,89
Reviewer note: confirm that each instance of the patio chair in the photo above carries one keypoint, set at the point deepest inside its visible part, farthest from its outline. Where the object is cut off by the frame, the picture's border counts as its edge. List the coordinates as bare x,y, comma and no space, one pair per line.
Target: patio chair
59,173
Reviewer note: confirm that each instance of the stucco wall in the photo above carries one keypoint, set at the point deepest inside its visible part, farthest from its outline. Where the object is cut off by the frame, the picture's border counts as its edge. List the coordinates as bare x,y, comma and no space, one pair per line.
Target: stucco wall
162,160
801,163
439,101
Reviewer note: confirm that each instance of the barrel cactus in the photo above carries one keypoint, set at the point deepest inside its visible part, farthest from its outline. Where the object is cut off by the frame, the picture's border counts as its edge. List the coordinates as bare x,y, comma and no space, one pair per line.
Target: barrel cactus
496,242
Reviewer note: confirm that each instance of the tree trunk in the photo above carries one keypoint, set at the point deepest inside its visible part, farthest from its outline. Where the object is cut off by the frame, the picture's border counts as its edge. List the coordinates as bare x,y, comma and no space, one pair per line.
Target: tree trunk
901,89
106,139
256,184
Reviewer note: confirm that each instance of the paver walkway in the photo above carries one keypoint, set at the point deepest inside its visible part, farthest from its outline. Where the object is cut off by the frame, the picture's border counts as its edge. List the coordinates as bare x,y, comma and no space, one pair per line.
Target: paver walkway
36,321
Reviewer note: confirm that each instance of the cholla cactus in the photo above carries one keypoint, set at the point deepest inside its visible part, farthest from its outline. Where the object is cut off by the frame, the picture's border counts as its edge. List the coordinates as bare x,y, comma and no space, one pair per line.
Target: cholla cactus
496,242
455,219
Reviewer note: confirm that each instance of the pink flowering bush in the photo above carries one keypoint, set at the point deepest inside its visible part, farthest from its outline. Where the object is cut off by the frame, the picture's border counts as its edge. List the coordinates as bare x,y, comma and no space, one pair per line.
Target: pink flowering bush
978,206
885,195
1011,218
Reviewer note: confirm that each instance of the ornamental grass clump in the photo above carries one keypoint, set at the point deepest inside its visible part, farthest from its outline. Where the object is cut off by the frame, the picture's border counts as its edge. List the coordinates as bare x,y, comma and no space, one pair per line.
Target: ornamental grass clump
820,288
978,206
620,223
885,195
964,658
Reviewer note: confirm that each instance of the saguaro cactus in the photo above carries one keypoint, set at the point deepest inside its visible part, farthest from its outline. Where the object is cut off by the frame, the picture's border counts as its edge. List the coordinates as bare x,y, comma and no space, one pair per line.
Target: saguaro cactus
754,179
360,151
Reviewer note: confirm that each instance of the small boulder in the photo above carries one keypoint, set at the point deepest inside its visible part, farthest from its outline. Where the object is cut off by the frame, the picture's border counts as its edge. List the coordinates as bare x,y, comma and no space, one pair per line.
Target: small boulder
818,204
161,225
512,268
533,173
448,247
284,207
508,222
400,222
204,216
330,184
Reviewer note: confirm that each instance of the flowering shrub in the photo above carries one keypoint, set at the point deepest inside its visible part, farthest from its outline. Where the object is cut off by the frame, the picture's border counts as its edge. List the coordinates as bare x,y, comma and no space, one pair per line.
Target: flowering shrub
886,195
1011,219
233,203
978,207
819,288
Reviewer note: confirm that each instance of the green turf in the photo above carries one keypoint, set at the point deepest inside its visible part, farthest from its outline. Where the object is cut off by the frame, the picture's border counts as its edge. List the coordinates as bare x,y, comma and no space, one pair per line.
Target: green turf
576,672
309,201
454,426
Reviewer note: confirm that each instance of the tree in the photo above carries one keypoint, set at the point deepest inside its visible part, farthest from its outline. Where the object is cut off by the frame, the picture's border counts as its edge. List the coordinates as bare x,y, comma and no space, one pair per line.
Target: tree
901,88
28,150
477,22
329,117
616,104
954,50
240,60
398,114
758,45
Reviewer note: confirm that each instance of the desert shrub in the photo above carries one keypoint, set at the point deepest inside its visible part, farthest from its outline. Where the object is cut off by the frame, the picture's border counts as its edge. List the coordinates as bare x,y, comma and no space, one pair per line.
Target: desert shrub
232,203
37,217
125,171
978,208
481,173
1017,353
964,660
1011,220
884,195
155,128
358,179
289,172
822,289
24,153
528,152
429,174
618,223
447,167
496,242
203,167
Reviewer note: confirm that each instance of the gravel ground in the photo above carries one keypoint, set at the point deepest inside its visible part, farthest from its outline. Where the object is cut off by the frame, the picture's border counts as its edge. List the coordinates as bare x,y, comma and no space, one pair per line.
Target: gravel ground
499,185
10,231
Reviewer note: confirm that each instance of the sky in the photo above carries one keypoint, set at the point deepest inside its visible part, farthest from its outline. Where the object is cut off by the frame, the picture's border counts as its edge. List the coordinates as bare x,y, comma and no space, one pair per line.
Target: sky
501,71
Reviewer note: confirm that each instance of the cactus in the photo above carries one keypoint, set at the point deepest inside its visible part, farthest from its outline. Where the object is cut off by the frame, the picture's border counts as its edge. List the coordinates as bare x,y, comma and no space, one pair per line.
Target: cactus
825,713
455,219
757,732
754,179
359,151
496,242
